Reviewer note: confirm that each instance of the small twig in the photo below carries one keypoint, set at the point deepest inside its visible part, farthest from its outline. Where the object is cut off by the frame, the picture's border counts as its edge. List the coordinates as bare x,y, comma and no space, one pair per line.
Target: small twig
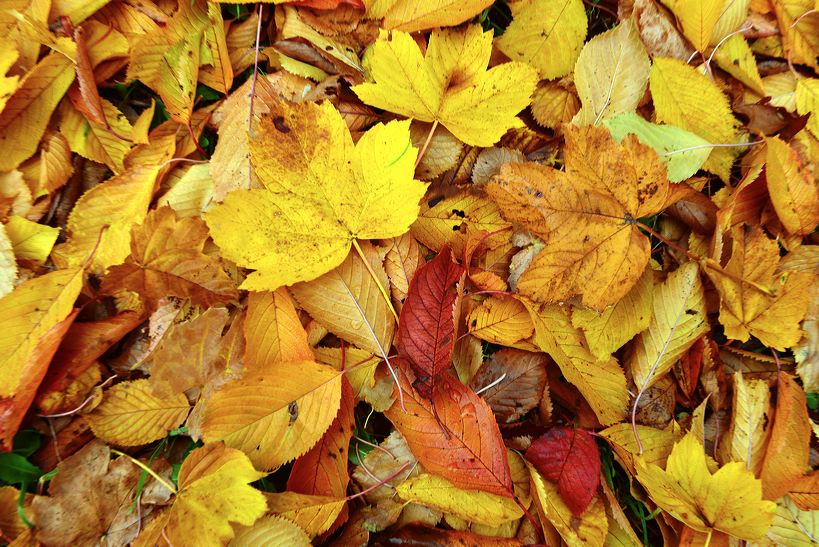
147,469
726,37
379,484
195,140
255,72
492,384
381,288
82,405
426,144
376,446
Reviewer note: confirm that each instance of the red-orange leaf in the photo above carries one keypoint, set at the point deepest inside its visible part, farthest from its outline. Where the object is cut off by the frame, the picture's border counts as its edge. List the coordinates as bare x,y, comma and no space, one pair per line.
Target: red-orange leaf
453,435
568,457
426,328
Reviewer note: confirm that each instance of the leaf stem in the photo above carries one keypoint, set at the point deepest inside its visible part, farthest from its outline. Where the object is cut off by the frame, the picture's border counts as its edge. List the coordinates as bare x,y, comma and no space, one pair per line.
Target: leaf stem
379,484
381,288
147,469
426,144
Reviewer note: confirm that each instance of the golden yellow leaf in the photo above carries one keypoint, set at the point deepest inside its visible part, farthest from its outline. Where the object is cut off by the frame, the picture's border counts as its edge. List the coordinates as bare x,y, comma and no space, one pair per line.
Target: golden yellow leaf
361,367
799,21
347,302
27,314
76,11
198,516
8,264
31,240
747,437
590,528
313,514
735,57
276,415
611,74
132,414
473,505
602,383
546,34
806,95
443,150
733,15
51,169
271,530
745,309
729,500
554,103
190,193
450,84
321,194
585,215
119,203
657,443
402,257
167,259
685,98
95,141
8,84
698,18
25,117
793,526
216,70
412,16
273,331
678,319
503,321
608,330
793,189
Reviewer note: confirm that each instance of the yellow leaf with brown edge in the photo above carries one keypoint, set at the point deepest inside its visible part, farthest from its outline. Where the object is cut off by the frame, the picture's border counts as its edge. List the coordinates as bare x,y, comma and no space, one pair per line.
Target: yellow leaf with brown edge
585,215
167,259
322,192
503,321
787,457
793,189
271,530
546,34
473,505
214,491
412,16
478,110
313,514
273,332
745,309
678,319
277,415
27,314
729,500
25,117
132,414
601,382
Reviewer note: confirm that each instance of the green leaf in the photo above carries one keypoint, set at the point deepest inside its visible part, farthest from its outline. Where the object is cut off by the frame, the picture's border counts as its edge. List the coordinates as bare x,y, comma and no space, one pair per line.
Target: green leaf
15,469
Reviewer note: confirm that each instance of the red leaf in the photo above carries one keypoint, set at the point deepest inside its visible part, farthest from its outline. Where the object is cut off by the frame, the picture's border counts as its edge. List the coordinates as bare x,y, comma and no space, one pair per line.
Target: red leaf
426,328
454,434
568,457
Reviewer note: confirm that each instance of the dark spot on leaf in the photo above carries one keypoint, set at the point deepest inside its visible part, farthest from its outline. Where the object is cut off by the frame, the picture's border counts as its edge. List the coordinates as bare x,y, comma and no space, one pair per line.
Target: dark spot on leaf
435,201
280,125
459,213
293,411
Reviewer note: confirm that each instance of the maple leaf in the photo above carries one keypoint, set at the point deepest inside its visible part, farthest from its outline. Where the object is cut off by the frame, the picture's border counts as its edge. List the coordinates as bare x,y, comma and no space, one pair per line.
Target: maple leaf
167,259
449,85
426,327
729,500
568,457
586,215
321,194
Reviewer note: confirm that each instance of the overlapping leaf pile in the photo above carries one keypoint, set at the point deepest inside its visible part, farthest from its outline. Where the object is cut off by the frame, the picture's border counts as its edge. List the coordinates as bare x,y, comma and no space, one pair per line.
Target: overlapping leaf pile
344,271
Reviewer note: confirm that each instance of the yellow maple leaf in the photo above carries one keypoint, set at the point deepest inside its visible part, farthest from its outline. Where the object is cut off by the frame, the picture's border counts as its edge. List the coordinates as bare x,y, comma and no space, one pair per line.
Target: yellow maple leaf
449,85
729,500
586,216
546,34
321,194
745,309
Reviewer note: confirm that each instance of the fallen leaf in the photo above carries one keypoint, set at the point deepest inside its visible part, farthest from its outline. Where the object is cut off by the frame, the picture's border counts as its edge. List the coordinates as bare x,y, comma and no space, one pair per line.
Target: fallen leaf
794,194
503,321
313,514
511,382
273,529
748,435
409,16
273,331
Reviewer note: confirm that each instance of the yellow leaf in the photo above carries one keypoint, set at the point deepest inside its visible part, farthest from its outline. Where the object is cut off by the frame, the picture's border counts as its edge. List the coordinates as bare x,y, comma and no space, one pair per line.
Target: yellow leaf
131,414
31,240
602,383
8,84
167,259
321,194
361,367
744,309
585,215
346,301
450,85
473,505
685,98
25,117
799,23
608,330
120,203
277,415
546,34
698,18
191,191
271,530
731,18
611,74
443,150
27,314
678,319
8,264
503,321
412,16
214,490
313,514
656,443
735,57
793,526
217,71
729,500
807,102
76,11
554,103
273,331
402,257
588,529
95,141
793,188
747,437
